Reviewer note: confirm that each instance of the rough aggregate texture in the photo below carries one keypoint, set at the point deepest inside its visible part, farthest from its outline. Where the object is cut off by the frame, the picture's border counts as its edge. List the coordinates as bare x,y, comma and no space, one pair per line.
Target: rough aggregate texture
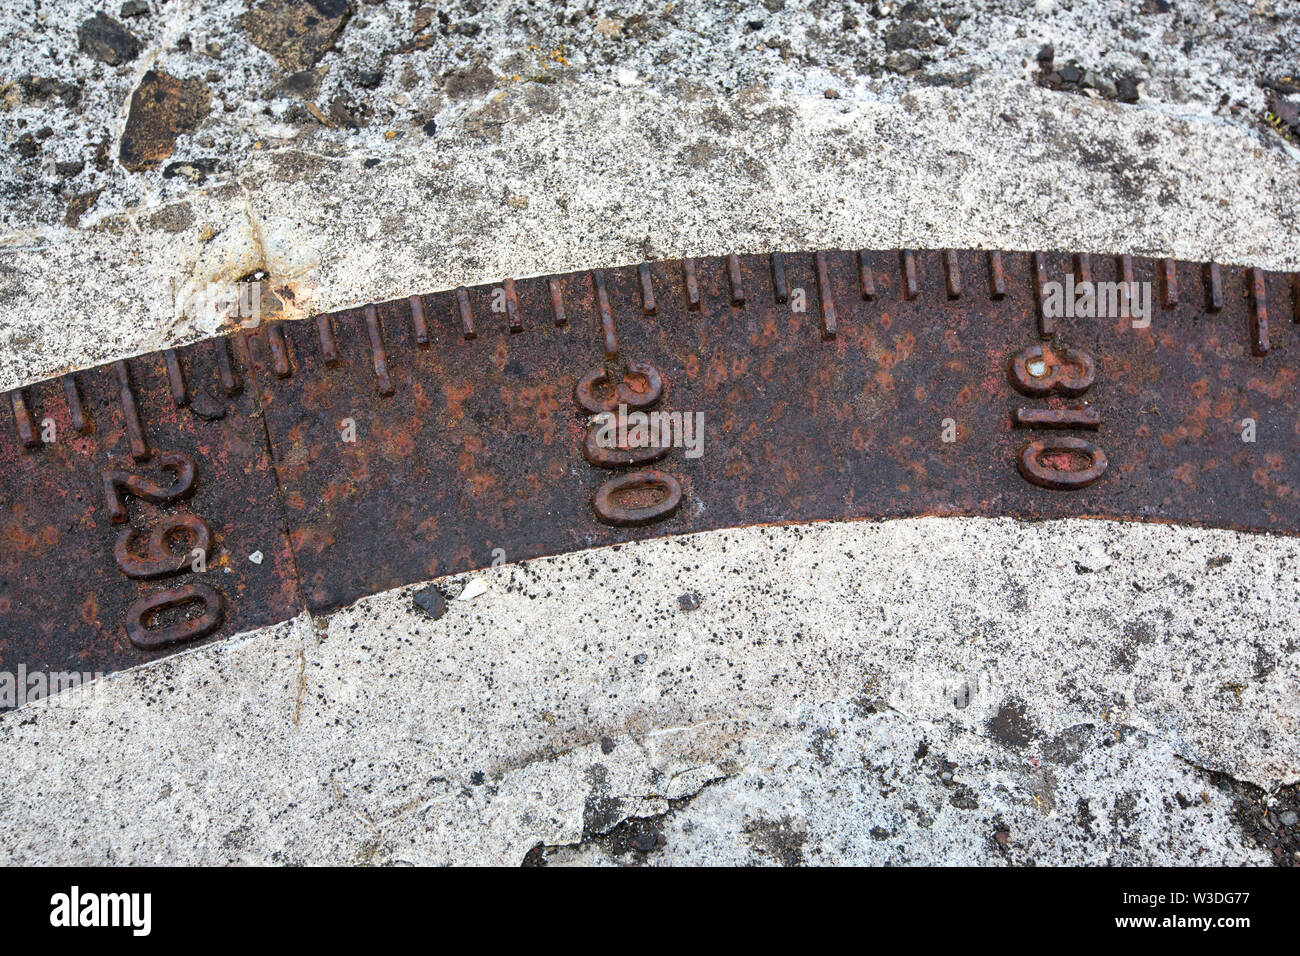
537,181
417,147
830,700
401,65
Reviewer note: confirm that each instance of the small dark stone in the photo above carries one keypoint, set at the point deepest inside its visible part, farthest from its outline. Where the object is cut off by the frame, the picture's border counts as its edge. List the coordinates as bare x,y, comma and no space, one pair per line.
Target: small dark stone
1126,89
689,601
907,36
1070,74
752,25
107,40
134,8
194,170
963,798
26,146
639,659
477,778
430,128
466,29
371,163
103,153
1046,54
303,84
344,113
431,601
902,63
964,78
1105,87
1011,724
70,169
43,87
370,79
606,745
647,841
469,82
831,94
79,205
850,22
296,32
162,107
1156,6
45,132
1001,836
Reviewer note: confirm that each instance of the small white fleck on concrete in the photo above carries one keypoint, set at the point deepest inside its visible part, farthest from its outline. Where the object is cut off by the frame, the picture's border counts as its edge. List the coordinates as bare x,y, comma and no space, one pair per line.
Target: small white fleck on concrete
472,589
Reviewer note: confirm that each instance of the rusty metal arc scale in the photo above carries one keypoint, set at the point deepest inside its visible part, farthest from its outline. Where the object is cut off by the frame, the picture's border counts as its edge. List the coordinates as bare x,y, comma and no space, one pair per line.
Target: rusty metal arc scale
190,494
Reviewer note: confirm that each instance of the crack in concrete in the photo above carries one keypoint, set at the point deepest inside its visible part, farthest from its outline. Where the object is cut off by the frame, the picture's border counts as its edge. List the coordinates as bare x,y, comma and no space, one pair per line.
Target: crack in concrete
635,833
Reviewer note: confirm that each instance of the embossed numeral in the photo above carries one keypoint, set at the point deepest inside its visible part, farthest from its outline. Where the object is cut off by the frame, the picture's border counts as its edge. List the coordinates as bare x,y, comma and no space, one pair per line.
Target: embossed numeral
1043,370
638,497
118,483
612,498
619,457
139,615
1061,462
160,561
641,387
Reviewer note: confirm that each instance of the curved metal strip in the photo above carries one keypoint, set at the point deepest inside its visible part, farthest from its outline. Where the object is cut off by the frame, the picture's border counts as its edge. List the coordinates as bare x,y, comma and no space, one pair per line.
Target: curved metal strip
415,438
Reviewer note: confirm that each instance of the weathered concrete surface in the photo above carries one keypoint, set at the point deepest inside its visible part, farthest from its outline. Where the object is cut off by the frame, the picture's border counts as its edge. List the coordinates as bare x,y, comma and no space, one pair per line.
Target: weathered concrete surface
392,69
807,712
539,180
830,677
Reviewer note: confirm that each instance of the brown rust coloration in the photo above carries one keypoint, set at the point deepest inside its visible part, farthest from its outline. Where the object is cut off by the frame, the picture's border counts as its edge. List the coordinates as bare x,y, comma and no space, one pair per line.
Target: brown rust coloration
408,442
99,524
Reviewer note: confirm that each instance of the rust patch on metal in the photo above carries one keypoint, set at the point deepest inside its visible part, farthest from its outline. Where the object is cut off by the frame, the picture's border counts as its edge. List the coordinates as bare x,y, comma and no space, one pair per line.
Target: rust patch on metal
410,439
100,519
